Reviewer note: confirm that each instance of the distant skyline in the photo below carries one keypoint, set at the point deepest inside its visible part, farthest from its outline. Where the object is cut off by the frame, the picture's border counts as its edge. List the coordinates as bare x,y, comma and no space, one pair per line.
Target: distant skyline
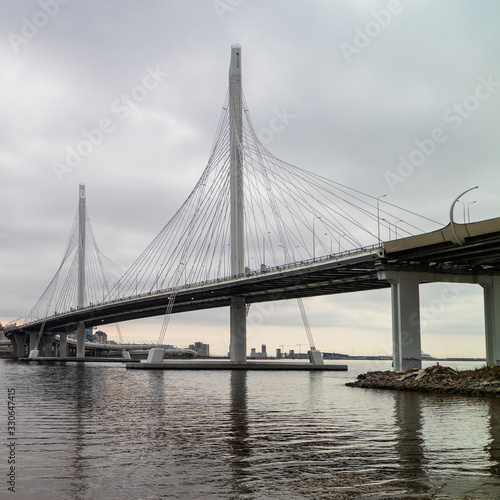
392,98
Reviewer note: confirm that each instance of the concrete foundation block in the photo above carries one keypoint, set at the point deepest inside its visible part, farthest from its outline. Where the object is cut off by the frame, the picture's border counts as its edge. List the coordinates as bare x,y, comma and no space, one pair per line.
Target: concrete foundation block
155,355
316,357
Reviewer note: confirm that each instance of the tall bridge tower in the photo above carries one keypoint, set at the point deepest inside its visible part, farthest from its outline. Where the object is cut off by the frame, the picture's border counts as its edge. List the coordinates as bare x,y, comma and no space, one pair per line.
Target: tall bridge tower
80,330
238,343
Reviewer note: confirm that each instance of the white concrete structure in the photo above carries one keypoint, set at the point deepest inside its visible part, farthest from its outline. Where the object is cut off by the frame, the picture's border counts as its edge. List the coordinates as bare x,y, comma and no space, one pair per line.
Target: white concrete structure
406,313
238,343
155,355
80,331
315,357
491,294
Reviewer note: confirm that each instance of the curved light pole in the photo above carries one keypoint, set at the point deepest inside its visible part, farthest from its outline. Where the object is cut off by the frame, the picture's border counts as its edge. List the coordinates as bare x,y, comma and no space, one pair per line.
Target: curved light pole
452,224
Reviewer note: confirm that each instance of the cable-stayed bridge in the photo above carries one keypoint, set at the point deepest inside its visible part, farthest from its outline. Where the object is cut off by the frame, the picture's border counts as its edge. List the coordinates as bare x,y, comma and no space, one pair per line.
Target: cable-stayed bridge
256,228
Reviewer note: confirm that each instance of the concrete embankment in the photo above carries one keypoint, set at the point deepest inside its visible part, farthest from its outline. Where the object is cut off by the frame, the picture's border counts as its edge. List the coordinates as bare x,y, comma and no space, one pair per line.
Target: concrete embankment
480,382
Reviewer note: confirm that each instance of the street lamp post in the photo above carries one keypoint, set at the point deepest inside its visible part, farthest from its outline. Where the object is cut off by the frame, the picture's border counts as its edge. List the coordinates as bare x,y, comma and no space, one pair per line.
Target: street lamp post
264,248
378,217
396,225
389,224
468,210
463,206
314,240
331,242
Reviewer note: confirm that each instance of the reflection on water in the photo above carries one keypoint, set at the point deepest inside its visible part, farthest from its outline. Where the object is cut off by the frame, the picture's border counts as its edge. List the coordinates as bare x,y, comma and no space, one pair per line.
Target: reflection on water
493,447
409,443
97,431
239,448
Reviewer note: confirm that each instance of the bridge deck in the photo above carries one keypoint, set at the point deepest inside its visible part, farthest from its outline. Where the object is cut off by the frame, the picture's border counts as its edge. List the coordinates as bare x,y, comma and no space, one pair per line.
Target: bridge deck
356,271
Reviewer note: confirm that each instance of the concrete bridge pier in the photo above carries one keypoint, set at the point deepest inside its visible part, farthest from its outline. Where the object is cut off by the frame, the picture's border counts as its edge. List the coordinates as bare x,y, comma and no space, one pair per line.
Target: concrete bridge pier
19,345
238,330
405,303
491,293
45,347
63,345
80,340
406,322
33,336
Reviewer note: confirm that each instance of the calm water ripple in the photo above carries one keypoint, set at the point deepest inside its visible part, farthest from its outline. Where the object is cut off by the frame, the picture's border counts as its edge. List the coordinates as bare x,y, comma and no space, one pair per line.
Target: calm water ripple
97,431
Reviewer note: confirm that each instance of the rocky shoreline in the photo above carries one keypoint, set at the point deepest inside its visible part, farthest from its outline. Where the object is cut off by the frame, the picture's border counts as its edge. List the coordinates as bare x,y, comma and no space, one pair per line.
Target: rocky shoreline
439,379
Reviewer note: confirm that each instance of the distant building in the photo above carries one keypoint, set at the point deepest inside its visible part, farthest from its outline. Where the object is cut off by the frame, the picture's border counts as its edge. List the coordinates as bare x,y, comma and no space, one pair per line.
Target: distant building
278,352
200,348
254,354
89,337
101,337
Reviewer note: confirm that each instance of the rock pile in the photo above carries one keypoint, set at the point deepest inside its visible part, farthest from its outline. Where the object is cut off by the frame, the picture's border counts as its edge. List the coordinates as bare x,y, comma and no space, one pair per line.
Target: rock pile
480,382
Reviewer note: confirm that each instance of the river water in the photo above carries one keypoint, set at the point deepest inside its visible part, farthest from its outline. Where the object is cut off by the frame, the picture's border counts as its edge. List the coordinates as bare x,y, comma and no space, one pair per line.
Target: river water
98,431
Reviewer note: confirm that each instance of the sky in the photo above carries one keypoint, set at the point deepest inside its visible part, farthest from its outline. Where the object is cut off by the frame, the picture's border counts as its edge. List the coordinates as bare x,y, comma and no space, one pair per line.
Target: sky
388,97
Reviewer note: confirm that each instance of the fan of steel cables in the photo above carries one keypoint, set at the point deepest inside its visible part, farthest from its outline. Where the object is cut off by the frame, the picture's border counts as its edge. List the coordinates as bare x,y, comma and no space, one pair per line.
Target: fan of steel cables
291,215
101,274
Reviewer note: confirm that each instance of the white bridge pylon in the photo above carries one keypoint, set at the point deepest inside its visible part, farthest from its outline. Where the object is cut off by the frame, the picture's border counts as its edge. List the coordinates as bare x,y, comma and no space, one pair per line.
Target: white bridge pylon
237,308
251,211
85,276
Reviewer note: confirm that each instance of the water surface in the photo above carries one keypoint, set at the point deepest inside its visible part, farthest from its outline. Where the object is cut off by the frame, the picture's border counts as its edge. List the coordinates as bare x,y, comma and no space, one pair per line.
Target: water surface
97,431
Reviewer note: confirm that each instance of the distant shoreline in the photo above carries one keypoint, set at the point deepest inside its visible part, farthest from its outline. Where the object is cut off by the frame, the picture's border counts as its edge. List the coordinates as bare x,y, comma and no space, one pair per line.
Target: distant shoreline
369,358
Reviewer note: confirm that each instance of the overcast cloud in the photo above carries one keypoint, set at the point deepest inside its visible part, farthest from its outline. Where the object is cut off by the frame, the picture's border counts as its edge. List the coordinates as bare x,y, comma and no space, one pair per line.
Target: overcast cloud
367,81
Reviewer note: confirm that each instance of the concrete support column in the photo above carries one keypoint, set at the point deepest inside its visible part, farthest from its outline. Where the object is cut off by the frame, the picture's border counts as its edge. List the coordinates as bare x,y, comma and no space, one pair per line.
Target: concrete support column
33,337
408,316
15,349
396,344
20,345
80,340
50,343
41,346
45,346
407,353
63,345
238,327
492,320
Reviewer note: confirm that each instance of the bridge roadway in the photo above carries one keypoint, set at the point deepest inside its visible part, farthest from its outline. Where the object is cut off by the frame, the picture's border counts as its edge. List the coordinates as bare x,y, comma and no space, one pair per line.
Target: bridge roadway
355,270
